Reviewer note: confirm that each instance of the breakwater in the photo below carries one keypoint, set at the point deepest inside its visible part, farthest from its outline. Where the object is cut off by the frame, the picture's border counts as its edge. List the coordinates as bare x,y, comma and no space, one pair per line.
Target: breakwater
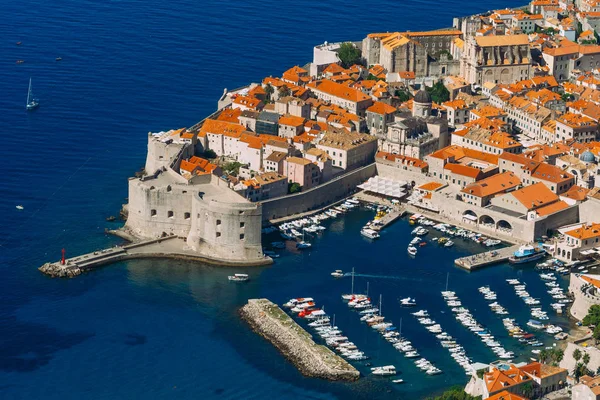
297,345
168,247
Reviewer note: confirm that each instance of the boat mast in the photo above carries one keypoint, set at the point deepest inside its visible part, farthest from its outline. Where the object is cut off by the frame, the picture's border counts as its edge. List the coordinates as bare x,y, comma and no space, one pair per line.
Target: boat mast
447,276
380,305
333,323
367,289
400,328
352,291
29,91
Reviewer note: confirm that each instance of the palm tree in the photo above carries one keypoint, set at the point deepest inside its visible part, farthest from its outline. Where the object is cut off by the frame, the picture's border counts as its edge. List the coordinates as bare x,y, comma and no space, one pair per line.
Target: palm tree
579,371
557,356
576,354
544,355
269,91
527,388
586,359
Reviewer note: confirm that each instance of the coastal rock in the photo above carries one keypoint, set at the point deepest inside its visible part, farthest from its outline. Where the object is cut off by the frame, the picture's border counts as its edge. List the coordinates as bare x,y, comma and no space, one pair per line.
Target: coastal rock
297,345
60,271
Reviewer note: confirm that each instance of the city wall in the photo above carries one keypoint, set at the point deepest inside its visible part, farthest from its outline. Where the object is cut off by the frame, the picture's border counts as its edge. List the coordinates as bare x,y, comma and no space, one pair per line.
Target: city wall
317,197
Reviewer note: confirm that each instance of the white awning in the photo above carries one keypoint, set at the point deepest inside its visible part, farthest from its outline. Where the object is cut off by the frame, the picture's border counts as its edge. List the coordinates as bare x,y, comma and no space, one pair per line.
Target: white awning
471,217
384,186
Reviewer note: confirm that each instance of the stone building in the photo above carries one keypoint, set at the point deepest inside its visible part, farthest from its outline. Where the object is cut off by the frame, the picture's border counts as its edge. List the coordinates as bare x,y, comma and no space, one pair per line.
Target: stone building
399,53
499,59
349,150
302,171
416,134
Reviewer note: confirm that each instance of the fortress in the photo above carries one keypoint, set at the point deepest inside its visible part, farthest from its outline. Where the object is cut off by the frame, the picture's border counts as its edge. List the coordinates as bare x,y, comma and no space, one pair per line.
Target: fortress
213,220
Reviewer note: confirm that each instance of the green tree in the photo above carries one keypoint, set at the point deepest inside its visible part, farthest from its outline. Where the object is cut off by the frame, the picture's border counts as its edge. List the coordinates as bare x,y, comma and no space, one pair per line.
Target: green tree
577,355
585,359
596,333
580,370
294,187
438,92
232,168
284,91
209,154
592,317
454,393
349,55
557,356
567,97
544,356
269,91
527,389
402,95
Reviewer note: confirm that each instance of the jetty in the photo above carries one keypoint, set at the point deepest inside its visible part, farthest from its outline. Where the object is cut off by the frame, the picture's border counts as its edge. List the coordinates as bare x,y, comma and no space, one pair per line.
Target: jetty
297,345
476,261
167,247
387,219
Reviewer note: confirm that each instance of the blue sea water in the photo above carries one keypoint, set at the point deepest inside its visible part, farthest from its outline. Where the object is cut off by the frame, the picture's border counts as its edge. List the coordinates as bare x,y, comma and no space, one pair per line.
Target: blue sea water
166,329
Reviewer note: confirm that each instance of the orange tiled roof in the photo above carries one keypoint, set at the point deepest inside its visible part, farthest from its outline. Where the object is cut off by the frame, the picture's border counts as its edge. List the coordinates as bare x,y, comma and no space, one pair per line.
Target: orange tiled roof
506,395
381,108
459,152
535,196
551,208
338,90
492,185
221,128
230,115
250,102
464,170
291,120
402,159
585,231
575,120
430,186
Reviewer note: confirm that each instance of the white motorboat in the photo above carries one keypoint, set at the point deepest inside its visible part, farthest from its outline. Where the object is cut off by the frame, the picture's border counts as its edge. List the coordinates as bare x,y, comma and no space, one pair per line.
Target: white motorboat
398,381
412,250
408,302
385,370
239,277
369,233
337,273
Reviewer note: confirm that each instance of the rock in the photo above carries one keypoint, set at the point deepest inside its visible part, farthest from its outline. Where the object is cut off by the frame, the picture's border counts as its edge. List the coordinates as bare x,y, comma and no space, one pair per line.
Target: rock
55,270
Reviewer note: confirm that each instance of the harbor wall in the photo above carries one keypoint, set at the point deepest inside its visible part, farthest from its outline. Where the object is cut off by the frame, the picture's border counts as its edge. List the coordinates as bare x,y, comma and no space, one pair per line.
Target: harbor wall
317,197
297,345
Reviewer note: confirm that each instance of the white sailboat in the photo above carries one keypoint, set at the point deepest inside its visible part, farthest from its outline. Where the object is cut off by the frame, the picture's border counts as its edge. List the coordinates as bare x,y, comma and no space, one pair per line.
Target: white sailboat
349,296
32,103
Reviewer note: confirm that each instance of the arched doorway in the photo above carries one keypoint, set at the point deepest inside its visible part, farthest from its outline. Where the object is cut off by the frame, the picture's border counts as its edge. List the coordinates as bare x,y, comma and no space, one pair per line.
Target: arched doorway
487,221
470,217
504,226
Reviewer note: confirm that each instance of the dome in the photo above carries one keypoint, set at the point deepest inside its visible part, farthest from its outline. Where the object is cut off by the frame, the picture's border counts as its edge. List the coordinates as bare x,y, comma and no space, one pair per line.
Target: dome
587,156
422,96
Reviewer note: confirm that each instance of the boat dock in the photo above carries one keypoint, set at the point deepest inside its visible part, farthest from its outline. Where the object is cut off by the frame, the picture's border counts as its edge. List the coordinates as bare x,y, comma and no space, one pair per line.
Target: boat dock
387,219
167,247
476,261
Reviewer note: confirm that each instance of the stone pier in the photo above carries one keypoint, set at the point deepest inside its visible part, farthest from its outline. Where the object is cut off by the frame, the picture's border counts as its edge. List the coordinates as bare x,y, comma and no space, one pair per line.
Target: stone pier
297,345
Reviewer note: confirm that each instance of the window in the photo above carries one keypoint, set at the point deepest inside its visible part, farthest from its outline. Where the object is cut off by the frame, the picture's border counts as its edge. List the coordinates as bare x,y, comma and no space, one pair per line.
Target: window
218,222
218,234
186,215
242,224
241,236
170,214
153,213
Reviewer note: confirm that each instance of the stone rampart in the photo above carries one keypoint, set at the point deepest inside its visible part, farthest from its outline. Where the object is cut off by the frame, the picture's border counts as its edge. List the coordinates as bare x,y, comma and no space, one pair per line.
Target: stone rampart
317,197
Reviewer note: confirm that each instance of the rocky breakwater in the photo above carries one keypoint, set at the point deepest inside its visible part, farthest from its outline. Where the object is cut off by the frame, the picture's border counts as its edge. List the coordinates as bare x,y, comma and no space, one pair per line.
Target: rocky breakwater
56,270
297,345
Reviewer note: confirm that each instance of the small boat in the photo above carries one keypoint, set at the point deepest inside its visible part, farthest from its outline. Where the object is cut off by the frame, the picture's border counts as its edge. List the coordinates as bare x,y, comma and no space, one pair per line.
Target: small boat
385,370
449,243
303,245
58,58
337,273
422,244
238,277
271,254
398,381
412,250
20,207
20,61
19,43
408,302
32,103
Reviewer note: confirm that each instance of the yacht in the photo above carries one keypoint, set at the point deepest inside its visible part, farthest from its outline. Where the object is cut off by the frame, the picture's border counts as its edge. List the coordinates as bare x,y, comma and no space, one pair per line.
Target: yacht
239,277
385,370
303,245
449,243
369,233
526,254
412,250
298,301
32,102
408,302
337,273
